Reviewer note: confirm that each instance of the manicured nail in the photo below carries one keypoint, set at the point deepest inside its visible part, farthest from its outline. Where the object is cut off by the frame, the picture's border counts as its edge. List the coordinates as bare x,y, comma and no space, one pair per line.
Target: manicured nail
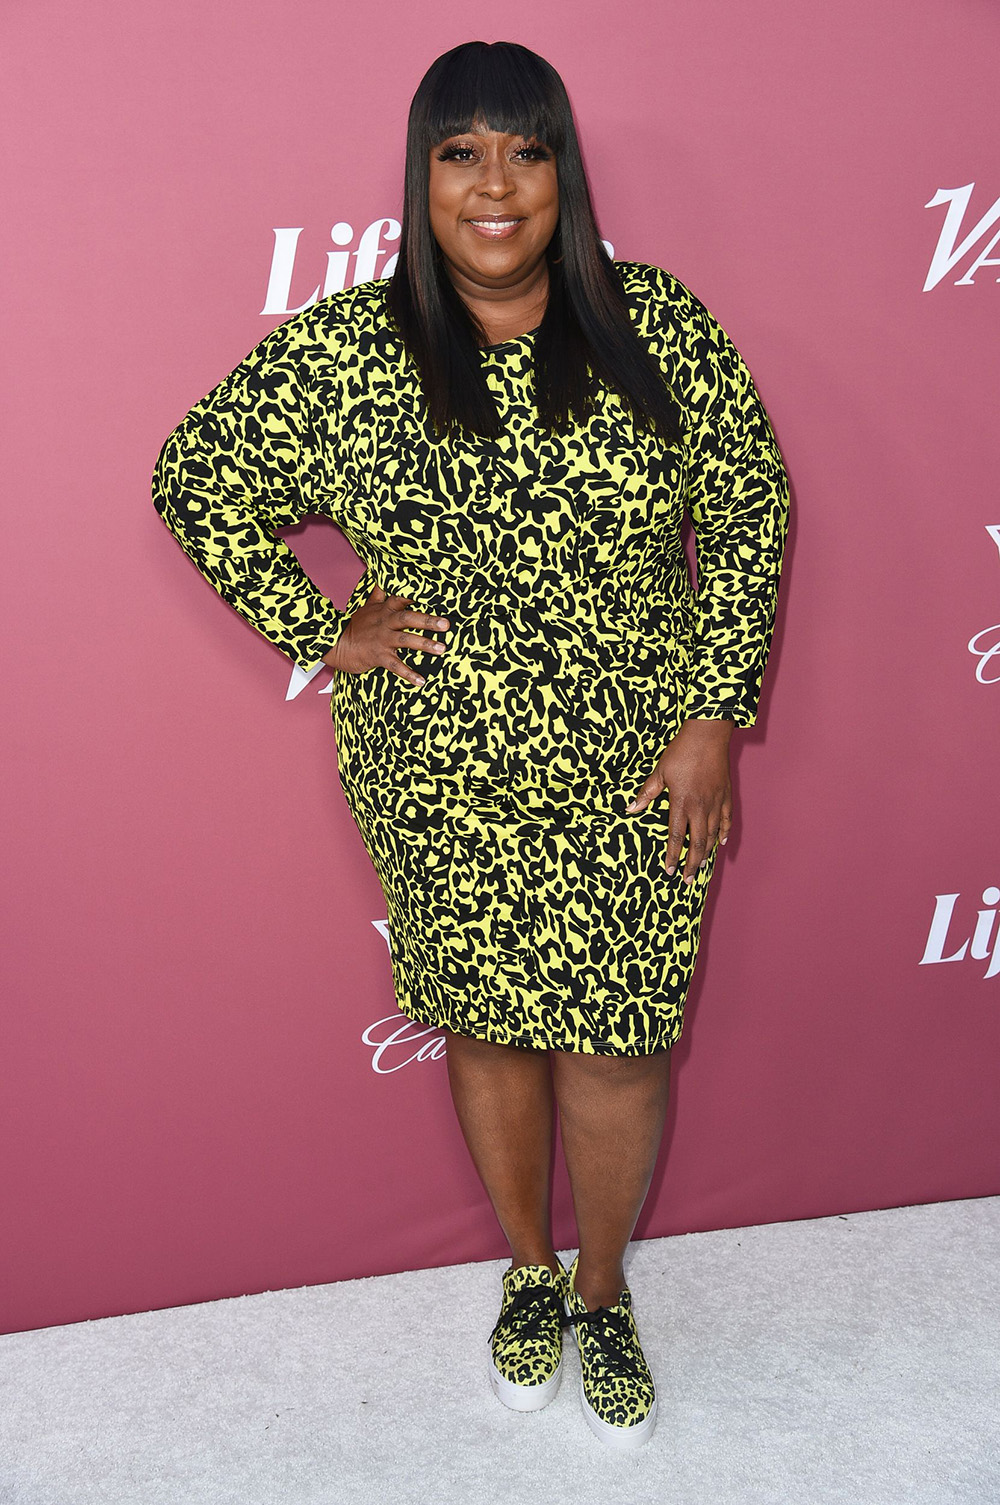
630,807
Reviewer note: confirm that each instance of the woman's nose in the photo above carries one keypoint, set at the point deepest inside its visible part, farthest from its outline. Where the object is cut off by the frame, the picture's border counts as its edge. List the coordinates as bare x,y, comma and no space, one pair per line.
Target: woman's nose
494,176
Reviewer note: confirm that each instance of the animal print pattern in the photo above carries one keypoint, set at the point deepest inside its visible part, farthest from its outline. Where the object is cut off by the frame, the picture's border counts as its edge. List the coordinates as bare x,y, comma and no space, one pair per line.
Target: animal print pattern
524,906
526,1341
616,1383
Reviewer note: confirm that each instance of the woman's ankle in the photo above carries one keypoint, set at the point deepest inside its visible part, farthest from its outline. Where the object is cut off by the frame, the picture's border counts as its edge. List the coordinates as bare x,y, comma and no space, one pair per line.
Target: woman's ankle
529,1256
598,1287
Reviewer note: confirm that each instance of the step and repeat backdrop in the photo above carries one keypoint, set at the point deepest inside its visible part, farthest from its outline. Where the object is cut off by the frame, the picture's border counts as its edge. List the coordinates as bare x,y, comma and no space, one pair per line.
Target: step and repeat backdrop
207,1089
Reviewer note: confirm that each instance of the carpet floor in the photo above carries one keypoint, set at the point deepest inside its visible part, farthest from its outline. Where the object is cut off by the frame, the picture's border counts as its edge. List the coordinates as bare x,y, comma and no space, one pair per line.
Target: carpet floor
849,1359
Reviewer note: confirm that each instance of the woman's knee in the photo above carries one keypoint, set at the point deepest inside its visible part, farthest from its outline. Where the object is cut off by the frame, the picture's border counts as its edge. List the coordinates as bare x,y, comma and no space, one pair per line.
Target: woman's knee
611,1071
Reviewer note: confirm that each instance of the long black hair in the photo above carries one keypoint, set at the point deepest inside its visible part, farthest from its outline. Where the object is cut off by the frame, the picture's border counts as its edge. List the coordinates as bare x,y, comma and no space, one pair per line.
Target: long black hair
586,334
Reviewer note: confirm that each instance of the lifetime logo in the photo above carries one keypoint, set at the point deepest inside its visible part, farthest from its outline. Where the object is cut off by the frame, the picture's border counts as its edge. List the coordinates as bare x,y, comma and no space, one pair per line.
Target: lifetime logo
980,946
338,263
949,252
370,250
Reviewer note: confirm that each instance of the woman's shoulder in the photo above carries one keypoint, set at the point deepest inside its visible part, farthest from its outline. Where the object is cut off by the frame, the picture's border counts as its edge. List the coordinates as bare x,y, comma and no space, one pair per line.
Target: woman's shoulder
343,320
671,316
656,282
659,297
361,308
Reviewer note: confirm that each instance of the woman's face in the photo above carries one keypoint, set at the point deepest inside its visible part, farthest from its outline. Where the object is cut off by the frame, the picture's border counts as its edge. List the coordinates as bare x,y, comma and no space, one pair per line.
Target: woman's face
494,205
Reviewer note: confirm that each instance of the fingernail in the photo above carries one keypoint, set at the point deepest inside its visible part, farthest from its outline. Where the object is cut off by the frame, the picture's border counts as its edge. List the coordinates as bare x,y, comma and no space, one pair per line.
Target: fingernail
723,841
672,870
630,807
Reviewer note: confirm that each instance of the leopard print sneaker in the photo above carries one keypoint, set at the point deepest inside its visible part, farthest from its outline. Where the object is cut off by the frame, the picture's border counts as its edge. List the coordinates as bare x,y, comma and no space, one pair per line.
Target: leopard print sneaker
525,1346
616,1386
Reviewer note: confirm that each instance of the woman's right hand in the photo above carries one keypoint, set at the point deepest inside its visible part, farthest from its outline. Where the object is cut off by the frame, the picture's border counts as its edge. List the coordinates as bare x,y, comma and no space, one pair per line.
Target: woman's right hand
377,630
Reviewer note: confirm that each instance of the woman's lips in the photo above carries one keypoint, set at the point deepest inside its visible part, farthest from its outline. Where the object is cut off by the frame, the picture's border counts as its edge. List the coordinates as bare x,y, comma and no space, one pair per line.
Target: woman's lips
501,229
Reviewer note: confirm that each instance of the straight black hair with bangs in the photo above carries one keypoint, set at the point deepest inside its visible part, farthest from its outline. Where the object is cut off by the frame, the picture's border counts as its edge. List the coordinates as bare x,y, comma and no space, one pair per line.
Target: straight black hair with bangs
586,334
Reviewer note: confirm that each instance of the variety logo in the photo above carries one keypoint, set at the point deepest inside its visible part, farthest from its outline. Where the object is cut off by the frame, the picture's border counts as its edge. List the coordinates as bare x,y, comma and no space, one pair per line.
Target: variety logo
986,644
983,945
302,677
949,251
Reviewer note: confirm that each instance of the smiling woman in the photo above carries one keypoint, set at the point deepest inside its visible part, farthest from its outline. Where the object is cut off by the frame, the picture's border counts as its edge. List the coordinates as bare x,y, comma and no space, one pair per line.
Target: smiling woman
494,206
491,136
509,433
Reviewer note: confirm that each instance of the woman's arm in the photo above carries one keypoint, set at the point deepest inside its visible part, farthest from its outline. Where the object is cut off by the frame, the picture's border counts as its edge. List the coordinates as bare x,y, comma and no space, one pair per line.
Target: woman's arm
244,462
737,498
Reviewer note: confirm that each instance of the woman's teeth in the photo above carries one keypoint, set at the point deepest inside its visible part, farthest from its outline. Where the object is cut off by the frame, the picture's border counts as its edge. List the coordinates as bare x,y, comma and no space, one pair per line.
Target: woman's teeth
495,229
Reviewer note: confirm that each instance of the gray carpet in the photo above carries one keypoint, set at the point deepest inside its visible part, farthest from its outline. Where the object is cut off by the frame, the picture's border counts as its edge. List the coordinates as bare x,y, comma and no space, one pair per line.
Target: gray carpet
849,1359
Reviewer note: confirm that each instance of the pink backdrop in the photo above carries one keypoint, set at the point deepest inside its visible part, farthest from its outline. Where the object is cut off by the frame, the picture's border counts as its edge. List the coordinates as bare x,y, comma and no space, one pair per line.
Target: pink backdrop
193,1105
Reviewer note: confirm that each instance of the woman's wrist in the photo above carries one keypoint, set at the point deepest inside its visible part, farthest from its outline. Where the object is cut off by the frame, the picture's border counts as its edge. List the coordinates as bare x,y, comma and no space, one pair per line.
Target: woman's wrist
710,728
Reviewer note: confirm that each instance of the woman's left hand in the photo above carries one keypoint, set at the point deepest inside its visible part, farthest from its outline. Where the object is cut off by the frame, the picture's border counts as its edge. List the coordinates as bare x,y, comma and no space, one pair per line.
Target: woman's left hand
694,770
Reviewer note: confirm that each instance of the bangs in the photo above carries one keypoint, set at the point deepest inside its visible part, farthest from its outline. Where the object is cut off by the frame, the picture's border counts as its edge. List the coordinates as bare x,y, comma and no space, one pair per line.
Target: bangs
504,87
586,335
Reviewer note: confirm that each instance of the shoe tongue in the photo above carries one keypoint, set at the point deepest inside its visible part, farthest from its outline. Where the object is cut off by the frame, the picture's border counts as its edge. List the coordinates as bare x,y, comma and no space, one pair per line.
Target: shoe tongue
530,1275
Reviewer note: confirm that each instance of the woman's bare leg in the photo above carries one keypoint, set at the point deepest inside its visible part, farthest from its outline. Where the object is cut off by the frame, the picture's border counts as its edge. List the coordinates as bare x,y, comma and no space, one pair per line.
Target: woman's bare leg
503,1098
611,1112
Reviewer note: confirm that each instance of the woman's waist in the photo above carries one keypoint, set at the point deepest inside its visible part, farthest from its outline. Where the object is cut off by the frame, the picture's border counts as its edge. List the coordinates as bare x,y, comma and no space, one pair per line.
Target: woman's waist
523,604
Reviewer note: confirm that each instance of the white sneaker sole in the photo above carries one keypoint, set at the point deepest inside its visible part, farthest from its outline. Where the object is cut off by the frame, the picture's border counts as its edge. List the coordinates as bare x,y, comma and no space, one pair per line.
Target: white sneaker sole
612,1436
522,1397
618,1437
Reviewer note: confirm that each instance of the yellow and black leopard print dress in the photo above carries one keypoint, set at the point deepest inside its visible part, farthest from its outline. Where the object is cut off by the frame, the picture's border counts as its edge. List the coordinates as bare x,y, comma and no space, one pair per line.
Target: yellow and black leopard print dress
524,906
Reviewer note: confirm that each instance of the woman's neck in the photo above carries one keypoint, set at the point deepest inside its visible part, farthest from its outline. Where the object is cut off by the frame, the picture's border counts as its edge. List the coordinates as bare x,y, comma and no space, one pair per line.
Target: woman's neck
506,313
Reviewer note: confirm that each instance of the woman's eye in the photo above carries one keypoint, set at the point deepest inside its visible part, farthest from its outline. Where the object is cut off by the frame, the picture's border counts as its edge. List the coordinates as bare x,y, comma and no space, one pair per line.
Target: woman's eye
465,153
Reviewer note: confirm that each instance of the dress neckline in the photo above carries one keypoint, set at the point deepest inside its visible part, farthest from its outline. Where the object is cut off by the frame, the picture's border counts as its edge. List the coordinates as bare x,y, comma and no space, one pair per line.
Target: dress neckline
514,340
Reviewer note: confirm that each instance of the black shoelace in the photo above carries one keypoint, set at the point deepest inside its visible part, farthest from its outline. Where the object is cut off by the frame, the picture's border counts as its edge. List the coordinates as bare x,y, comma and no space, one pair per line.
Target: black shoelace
613,1335
531,1312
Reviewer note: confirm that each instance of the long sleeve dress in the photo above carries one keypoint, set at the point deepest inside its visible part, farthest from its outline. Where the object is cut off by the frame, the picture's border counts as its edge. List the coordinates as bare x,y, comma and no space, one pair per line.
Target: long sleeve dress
524,906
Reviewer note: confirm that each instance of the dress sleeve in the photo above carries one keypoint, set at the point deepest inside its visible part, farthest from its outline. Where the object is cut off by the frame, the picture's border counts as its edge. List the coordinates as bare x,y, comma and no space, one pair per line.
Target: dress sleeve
737,499
244,462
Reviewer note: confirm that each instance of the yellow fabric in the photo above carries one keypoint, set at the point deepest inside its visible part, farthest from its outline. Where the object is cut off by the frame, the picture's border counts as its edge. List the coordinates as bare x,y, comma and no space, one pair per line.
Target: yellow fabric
523,904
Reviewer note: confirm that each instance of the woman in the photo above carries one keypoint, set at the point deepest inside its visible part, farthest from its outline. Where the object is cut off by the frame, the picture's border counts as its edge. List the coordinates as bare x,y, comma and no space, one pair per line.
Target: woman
532,707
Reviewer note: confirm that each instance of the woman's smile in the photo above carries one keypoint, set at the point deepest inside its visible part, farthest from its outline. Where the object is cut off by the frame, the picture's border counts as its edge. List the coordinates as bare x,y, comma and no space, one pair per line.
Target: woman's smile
495,227
493,204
